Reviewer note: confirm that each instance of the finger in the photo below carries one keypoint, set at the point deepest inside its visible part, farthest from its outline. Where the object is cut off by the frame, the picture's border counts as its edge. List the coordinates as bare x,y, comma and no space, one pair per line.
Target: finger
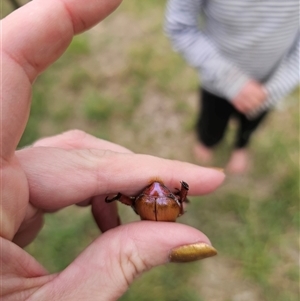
105,215
76,139
58,178
240,106
30,227
246,104
247,107
253,104
110,264
38,33
32,38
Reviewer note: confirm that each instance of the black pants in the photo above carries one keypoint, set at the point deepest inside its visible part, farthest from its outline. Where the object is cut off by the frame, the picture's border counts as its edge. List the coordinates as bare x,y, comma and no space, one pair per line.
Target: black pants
214,117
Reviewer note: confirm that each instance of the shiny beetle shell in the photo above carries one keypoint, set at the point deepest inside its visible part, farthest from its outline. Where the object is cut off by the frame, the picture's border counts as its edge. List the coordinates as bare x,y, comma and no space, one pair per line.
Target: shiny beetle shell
156,202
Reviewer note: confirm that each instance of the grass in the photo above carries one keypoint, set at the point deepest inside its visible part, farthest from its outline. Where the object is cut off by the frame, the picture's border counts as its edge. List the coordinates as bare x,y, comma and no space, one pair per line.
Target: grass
146,99
164,283
63,246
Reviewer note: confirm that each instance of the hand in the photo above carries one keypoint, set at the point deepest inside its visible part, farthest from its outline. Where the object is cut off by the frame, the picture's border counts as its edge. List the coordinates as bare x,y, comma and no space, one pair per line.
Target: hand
76,168
250,98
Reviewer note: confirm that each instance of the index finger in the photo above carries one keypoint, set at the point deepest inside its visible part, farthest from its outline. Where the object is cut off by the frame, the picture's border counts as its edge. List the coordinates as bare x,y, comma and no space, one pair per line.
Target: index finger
33,37
58,178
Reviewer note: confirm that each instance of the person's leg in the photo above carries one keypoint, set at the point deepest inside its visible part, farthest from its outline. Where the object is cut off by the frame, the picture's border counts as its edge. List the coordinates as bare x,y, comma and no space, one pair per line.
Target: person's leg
211,125
239,160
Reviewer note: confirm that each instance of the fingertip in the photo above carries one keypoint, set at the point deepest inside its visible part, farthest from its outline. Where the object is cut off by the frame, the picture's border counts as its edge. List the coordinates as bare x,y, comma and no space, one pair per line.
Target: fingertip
217,172
52,29
124,252
155,241
105,215
210,179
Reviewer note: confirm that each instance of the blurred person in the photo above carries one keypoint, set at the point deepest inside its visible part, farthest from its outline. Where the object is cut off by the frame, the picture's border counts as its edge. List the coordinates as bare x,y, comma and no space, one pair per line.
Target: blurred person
247,55
76,168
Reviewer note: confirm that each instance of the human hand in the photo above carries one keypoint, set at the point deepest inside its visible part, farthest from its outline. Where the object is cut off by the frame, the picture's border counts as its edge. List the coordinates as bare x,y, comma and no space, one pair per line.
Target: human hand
250,98
76,168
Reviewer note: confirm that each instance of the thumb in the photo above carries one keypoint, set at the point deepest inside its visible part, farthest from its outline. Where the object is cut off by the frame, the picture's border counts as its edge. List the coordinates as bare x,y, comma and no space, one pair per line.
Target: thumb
109,265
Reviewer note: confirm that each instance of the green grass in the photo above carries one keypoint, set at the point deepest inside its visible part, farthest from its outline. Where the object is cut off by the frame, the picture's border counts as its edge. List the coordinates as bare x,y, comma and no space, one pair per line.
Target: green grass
60,242
78,46
166,283
253,220
39,109
98,107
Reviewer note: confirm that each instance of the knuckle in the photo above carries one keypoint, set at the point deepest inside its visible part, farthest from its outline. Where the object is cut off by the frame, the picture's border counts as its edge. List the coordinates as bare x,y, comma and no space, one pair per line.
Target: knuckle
74,135
131,261
71,137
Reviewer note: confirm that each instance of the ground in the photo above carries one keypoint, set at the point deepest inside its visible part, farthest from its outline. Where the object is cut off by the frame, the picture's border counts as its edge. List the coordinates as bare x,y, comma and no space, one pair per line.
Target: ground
122,81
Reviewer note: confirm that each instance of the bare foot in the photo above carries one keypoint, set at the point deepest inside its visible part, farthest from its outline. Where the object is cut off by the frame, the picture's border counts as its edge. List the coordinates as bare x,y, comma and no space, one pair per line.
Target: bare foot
203,154
238,162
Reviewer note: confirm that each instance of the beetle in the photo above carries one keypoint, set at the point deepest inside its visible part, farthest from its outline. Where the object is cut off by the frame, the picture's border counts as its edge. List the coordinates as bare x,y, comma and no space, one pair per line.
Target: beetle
156,202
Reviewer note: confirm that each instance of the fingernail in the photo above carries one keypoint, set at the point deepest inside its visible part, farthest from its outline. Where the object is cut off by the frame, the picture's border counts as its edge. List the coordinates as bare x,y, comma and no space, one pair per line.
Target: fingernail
217,168
192,252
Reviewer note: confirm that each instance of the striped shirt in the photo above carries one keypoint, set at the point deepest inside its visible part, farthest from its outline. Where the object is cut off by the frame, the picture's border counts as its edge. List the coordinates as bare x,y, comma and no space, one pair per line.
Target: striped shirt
238,40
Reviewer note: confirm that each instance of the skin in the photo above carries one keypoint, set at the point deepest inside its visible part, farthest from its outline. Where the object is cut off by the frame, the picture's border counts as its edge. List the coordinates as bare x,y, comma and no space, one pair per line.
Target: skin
247,101
250,98
74,168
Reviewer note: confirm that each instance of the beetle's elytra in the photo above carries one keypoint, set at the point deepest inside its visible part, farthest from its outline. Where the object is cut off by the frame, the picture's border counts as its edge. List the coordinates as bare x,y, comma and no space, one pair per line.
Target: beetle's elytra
156,202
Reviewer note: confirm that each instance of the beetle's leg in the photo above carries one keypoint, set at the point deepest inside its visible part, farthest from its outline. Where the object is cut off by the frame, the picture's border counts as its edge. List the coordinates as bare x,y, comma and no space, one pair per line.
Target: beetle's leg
178,194
122,198
115,198
184,191
126,200
182,195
